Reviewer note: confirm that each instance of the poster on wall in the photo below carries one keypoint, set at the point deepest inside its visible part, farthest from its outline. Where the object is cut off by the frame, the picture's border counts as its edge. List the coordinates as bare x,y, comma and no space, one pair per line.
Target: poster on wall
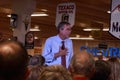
115,19
29,40
13,20
65,13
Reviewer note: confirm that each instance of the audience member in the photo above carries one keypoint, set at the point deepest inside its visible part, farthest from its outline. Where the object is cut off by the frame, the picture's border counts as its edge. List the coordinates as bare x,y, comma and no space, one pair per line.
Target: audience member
34,72
41,60
37,60
115,69
82,66
102,71
13,61
37,64
55,72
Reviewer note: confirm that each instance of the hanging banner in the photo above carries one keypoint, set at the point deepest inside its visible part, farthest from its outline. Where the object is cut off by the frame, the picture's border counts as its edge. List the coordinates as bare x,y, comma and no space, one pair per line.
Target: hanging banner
115,19
66,13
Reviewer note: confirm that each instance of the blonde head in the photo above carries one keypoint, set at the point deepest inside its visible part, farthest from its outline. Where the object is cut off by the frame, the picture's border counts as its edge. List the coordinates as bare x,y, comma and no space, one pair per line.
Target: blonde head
56,72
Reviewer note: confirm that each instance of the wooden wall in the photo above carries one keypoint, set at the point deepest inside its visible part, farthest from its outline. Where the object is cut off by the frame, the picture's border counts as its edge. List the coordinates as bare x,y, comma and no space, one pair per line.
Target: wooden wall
93,43
90,43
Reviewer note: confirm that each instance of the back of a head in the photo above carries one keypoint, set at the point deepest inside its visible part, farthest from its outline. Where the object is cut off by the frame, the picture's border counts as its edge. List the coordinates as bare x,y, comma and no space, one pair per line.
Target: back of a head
34,72
82,64
55,72
13,60
42,60
37,63
102,70
37,60
115,67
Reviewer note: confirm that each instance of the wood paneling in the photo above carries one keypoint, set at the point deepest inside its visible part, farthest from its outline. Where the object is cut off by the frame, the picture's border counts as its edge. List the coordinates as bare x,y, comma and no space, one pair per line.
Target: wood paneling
87,12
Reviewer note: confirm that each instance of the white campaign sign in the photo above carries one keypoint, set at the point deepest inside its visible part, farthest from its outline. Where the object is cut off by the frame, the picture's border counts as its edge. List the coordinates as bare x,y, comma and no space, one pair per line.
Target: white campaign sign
115,19
66,13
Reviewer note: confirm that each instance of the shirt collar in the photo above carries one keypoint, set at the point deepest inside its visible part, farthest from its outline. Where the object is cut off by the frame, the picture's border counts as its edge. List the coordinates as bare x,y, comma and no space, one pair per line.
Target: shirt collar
59,39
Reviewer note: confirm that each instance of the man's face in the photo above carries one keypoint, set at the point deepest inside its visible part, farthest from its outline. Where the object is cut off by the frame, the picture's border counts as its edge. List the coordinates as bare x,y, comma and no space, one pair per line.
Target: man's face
66,31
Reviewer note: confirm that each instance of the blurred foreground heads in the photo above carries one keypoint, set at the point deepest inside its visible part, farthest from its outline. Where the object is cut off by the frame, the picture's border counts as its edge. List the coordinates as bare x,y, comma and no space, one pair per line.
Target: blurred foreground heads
115,68
13,61
82,66
102,71
35,67
55,72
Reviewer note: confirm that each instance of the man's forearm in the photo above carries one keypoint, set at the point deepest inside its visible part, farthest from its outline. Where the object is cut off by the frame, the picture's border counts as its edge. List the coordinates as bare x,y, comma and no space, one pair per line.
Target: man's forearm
57,55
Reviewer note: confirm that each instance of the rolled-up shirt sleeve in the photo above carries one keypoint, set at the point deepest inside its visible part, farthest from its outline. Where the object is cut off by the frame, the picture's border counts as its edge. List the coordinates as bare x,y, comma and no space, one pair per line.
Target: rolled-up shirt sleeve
47,52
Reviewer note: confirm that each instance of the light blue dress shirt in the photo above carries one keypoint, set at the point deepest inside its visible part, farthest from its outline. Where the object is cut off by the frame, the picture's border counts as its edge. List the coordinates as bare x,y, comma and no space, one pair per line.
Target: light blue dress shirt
52,46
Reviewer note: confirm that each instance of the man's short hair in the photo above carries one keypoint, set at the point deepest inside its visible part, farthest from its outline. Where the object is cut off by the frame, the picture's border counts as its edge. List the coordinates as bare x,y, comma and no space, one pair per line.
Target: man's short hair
102,71
13,60
61,25
37,60
82,63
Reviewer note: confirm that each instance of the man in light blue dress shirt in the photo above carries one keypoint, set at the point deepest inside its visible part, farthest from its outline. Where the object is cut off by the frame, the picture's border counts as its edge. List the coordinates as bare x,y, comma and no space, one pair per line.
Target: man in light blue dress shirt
52,51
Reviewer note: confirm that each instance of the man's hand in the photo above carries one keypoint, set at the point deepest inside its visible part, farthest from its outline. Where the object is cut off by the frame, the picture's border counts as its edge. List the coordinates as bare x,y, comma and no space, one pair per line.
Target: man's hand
61,53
